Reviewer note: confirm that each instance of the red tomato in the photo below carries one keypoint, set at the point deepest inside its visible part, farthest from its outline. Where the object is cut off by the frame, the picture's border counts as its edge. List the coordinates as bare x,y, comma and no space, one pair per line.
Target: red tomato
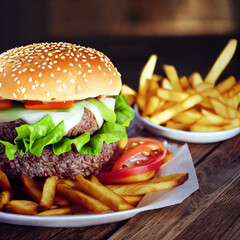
38,105
5,104
142,155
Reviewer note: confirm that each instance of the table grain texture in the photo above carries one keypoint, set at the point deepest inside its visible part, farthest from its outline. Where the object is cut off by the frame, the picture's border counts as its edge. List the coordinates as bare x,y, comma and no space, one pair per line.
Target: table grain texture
213,211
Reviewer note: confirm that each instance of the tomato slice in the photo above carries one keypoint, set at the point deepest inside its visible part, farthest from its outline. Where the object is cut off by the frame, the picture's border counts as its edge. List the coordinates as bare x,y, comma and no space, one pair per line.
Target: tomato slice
38,105
142,155
5,104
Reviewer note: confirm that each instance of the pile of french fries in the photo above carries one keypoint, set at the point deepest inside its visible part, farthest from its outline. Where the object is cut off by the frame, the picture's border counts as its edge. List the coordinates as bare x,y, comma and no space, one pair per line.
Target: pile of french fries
190,103
54,196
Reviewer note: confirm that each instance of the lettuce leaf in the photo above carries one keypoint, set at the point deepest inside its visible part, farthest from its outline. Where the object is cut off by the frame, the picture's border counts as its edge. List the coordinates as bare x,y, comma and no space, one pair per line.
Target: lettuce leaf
35,137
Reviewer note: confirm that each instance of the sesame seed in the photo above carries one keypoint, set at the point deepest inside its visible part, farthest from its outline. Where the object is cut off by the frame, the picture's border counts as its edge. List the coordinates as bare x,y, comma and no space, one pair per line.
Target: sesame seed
0,84
1,69
4,75
79,73
110,81
58,81
70,74
99,67
42,57
13,75
84,60
23,90
79,87
14,95
48,93
42,85
64,85
30,79
72,81
24,70
58,69
79,65
18,82
65,70
70,64
40,74
59,89
49,66
104,74
15,79
44,63
50,54
52,75
85,80
89,70
75,59
25,96
33,87
32,70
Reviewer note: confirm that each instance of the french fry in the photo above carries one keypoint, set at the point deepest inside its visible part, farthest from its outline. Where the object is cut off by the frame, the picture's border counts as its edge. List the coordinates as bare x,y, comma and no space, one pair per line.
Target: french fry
221,62
188,117
48,193
152,105
133,200
205,128
129,93
21,207
171,95
184,82
32,188
61,211
146,73
226,84
61,201
177,125
195,79
154,185
4,182
103,194
211,118
171,112
166,84
203,86
5,197
223,109
153,84
82,199
172,75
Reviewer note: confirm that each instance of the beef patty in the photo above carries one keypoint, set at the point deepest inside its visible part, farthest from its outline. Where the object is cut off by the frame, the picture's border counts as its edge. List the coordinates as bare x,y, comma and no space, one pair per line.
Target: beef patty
66,165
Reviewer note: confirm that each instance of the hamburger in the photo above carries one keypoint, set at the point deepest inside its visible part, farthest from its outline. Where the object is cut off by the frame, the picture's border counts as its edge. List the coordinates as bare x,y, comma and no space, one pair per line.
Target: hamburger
60,110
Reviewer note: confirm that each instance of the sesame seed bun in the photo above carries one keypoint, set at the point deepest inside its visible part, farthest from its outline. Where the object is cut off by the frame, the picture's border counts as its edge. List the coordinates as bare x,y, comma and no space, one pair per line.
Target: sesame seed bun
56,72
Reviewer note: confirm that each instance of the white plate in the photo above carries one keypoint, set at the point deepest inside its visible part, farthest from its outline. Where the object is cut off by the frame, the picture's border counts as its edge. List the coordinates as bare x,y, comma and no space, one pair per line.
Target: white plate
180,163
192,137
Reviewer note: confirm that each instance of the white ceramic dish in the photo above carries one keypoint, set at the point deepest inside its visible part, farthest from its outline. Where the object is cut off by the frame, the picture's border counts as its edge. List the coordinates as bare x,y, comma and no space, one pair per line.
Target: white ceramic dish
184,136
181,162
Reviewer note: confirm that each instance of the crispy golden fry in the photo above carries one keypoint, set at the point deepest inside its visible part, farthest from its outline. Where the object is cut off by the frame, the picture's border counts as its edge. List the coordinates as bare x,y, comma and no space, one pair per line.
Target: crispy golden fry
103,194
235,89
21,207
152,105
4,182
154,185
5,197
146,73
129,93
205,128
31,187
171,112
168,157
233,101
82,199
184,82
177,125
171,95
210,118
195,79
48,193
221,62
61,211
133,200
202,87
172,75
233,123
166,84
188,117
141,103
223,109
226,84
61,201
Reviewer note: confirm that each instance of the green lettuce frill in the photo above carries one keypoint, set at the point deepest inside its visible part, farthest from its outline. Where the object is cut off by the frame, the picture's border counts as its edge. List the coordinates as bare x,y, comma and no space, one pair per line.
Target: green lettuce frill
34,138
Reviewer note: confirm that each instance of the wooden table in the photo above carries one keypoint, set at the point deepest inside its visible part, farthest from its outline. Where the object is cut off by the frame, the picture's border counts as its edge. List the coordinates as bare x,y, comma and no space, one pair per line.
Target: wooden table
212,212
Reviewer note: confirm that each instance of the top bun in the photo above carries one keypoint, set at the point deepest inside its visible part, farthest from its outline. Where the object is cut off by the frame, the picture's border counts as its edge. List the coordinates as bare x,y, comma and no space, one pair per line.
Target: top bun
56,72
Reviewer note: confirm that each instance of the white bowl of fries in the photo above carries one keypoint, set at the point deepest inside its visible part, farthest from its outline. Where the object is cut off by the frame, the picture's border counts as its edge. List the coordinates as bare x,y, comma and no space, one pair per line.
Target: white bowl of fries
189,109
